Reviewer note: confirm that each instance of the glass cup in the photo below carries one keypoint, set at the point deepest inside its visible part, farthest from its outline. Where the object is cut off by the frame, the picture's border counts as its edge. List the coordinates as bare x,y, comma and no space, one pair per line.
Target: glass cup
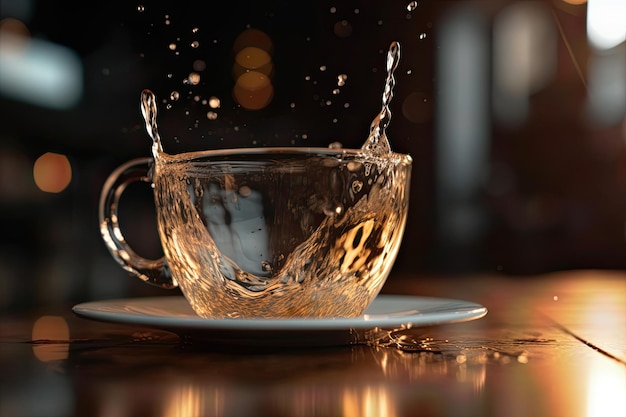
268,232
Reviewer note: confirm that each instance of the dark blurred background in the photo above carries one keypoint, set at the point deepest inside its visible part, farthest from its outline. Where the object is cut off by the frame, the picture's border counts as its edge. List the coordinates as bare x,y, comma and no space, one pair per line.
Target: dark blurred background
513,111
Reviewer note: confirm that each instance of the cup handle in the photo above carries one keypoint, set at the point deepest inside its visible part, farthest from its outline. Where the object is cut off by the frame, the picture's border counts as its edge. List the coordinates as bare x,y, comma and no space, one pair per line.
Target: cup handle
152,271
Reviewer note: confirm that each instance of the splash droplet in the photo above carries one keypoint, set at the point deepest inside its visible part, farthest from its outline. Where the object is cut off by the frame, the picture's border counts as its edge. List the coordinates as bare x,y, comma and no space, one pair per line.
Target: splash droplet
214,102
149,112
377,143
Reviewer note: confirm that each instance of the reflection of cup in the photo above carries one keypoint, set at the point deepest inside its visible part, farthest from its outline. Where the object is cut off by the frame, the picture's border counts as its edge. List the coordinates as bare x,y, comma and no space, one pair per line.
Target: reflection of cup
268,232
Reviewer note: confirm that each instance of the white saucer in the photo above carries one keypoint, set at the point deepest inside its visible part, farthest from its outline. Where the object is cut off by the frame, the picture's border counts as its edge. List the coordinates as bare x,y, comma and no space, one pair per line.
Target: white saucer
173,313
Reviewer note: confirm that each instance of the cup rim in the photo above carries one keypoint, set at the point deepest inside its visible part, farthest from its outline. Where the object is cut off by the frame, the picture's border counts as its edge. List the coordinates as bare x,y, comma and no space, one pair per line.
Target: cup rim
398,158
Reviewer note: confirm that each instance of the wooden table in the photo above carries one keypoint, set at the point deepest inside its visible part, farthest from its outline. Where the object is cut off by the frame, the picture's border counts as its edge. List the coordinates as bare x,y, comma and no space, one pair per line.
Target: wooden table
551,345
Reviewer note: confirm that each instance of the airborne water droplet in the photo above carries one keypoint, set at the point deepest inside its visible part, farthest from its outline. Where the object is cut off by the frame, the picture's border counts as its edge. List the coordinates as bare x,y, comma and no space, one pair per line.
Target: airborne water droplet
193,78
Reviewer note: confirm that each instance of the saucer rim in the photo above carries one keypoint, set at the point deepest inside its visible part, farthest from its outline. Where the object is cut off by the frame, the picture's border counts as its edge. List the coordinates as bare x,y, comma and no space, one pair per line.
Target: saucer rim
384,312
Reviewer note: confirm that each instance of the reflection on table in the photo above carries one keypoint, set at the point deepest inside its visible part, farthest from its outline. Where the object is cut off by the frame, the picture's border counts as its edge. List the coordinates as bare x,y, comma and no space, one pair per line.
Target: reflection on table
551,345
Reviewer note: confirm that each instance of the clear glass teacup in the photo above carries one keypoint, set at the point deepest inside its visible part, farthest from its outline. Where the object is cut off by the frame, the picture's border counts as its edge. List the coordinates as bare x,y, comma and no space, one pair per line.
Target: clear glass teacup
268,232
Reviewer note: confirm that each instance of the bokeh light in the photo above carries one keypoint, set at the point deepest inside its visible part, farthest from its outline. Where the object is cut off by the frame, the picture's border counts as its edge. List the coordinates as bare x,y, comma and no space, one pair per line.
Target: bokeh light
37,71
255,38
252,58
253,90
52,172
606,23
51,335
253,69
524,59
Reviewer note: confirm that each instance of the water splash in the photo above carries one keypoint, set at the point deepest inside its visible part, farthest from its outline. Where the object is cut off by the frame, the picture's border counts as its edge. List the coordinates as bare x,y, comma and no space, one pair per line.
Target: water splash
377,143
149,112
